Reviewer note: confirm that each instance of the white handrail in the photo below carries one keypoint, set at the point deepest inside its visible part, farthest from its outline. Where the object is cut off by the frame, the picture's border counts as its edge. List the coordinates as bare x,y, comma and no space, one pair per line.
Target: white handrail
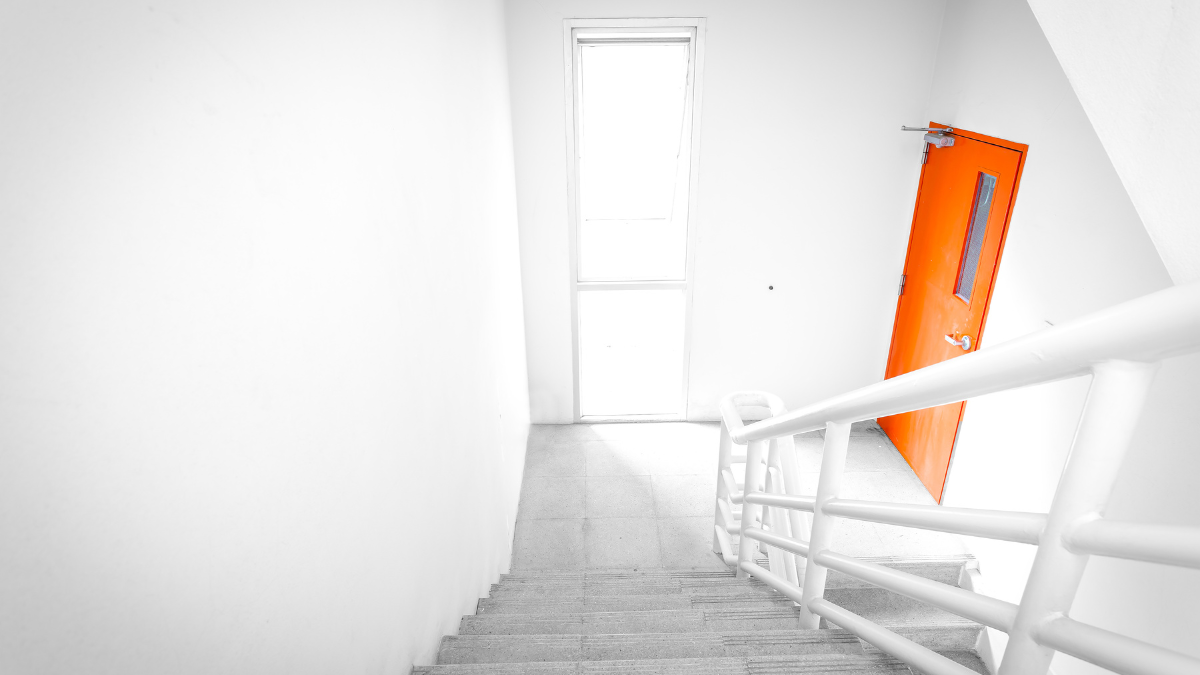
1023,528
1113,651
1166,544
786,543
1120,348
798,502
1148,329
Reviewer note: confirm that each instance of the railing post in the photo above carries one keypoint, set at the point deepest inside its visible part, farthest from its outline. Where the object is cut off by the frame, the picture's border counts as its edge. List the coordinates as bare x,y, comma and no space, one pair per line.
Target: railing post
1110,415
799,522
833,465
756,472
776,558
780,520
724,453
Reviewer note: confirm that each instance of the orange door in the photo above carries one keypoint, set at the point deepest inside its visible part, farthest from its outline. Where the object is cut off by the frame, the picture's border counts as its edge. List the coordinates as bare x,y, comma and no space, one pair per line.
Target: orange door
963,204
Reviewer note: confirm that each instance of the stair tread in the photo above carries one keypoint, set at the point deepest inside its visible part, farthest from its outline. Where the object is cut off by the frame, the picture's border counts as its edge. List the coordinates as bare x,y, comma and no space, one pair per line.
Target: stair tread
610,603
620,590
954,558
509,648
747,665
873,601
746,588
687,612
669,582
933,615
655,620
575,646
830,633
703,622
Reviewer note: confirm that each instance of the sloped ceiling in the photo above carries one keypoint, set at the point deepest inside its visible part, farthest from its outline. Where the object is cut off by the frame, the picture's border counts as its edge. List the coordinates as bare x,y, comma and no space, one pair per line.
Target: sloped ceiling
1135,67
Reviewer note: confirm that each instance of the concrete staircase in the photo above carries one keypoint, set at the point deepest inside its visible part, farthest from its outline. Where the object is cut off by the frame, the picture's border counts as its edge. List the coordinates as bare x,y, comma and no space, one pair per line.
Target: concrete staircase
690,622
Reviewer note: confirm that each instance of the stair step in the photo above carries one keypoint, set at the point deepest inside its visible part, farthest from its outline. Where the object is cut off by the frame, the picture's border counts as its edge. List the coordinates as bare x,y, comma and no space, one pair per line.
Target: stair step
706,612
762,665
969,659
944,570
617,589
702,622
668,582
606,647
950,634
950,561
525,604
875,603
887,608
935,629
840,664
569,589
648,621
550,575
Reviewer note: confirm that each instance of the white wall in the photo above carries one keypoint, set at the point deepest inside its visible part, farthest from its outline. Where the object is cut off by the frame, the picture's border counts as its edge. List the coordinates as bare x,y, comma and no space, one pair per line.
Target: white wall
1075,245
805,184
262,383
1136,69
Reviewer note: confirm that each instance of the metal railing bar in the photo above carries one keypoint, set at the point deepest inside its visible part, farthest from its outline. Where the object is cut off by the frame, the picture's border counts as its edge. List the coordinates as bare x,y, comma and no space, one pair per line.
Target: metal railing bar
725,544
1165,544
755,481
834,448
1113,651
778,541
784,453
1149,328
732,525
1106,426
921,658
1024,528
797,502
731,486
731,404
969,605
778,583
777,521
776,557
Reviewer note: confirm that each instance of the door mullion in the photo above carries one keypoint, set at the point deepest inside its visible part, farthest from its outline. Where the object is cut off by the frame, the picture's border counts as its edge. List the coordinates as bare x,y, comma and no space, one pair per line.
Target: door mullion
678,285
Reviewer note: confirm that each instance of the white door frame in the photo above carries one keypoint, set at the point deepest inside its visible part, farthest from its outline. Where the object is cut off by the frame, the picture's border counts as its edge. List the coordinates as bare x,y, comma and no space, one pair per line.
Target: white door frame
571,28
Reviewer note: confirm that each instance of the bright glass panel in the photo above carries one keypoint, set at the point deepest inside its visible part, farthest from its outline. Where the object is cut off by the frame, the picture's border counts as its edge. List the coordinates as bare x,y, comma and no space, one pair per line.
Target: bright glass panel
631,352
634,161
984,188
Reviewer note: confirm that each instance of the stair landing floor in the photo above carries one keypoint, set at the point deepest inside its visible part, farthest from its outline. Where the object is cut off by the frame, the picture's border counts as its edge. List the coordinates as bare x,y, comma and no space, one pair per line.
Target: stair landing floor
641,496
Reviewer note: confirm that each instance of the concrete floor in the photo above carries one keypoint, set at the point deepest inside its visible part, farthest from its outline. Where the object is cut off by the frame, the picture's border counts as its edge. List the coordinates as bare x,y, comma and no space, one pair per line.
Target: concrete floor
641,495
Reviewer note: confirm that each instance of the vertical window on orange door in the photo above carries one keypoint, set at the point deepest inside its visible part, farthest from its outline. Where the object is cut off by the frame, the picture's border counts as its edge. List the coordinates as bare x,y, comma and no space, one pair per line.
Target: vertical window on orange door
976,229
